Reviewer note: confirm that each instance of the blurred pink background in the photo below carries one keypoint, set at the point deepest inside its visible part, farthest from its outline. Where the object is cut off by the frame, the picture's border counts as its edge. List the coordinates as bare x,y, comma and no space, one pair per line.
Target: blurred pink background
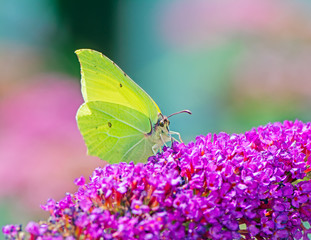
41,149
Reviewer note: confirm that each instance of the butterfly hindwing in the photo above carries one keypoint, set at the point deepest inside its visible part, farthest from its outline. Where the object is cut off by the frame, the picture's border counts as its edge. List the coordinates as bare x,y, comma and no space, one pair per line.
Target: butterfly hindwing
114,132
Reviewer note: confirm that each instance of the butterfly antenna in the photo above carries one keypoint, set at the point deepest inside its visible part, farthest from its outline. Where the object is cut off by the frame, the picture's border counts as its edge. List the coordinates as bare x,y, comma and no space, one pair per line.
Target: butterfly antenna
183,111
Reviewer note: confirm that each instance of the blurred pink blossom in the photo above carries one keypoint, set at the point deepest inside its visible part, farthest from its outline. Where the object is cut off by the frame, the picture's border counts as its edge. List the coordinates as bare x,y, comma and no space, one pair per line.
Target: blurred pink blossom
41,149
277,74
197,22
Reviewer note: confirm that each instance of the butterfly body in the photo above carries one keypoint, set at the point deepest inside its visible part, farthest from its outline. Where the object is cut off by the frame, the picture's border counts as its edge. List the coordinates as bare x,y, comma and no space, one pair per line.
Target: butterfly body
119,121
160,133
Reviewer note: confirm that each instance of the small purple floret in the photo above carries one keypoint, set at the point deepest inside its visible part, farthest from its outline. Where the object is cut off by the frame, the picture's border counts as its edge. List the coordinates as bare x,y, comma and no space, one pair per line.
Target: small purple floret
80,181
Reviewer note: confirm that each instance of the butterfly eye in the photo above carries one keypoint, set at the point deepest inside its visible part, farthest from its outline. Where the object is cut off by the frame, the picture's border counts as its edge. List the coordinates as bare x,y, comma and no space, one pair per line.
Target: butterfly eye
161,123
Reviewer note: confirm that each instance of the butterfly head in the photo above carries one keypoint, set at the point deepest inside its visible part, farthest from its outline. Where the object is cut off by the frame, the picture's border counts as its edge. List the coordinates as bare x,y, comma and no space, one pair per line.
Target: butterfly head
163,121
160,133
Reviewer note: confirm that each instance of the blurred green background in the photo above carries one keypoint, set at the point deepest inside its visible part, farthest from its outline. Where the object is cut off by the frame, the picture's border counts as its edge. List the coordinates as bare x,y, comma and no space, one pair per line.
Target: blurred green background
236,64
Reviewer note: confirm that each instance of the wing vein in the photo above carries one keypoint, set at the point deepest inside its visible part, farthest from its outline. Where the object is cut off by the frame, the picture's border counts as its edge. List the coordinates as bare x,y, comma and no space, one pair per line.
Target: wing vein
112,147
99,143
120,137
130,125
131,148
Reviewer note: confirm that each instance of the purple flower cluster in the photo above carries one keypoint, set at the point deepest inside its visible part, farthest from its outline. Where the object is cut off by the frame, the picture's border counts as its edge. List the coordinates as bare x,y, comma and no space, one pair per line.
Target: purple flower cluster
240,186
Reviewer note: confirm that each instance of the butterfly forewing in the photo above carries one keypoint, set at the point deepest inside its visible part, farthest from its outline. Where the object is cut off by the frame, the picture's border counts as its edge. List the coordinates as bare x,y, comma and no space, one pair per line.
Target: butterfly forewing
102,80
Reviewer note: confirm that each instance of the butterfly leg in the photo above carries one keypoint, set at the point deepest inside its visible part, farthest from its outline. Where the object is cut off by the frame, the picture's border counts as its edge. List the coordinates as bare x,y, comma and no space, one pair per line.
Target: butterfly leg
155,148
176,133
163,140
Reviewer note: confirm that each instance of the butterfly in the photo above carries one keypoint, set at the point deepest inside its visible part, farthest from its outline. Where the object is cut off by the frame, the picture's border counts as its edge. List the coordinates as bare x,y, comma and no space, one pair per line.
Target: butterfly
118,120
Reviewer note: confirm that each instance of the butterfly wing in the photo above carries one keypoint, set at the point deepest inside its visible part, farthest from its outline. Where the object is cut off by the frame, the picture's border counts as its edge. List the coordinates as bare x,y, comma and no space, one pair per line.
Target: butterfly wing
102,80
115,132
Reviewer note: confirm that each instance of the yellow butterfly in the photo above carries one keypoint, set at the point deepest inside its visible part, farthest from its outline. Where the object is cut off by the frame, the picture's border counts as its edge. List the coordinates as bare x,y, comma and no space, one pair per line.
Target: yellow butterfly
119,121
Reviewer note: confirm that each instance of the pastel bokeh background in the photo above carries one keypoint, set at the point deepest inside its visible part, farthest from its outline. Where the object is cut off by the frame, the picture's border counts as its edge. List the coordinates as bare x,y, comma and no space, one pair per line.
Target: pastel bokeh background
235,64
